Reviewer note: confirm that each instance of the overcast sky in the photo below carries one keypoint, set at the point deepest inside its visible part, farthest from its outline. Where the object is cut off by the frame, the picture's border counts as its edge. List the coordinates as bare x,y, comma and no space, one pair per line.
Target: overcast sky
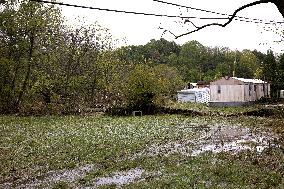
138,29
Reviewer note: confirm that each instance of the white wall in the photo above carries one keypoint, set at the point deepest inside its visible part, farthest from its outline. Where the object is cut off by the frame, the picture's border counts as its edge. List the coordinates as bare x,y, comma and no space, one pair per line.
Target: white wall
238,90
237,93
250,94
229,93
186,97
256,94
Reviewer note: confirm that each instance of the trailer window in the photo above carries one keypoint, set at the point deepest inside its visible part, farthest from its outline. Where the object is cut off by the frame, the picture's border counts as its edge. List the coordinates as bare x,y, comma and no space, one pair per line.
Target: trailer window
249,89
219,89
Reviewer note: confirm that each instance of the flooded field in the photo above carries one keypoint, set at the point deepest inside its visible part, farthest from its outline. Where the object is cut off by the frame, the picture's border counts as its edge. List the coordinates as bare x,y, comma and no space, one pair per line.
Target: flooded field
141,152
121,178
70,176
215,138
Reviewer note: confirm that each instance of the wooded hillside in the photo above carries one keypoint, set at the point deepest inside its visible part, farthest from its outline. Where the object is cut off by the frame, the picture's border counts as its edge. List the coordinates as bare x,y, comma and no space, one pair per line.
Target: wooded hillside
47,66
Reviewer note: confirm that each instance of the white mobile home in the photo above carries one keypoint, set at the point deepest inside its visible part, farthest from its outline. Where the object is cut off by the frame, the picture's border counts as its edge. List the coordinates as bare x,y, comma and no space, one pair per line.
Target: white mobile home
281,95
194,95
237,91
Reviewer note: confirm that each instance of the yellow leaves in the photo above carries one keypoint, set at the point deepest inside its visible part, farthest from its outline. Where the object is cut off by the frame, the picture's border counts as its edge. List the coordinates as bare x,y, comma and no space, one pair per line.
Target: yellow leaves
258,73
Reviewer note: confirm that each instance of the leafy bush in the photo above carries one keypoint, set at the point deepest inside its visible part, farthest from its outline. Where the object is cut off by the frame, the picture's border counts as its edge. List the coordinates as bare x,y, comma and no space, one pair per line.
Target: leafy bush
149,87
141,88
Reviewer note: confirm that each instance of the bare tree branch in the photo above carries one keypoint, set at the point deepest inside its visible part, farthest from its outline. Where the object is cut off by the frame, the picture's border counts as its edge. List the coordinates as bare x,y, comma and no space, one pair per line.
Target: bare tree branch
190,22
165,30
230,19
214,12
277,31
280,5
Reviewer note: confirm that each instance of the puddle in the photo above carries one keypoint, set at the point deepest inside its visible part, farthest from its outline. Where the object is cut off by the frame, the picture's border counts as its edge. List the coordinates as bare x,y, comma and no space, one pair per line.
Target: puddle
67,175
215,139
121,178
234,147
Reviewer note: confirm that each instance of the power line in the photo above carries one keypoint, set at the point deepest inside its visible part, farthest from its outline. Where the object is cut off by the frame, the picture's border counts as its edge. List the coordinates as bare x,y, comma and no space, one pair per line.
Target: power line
197,28
239,18
127,12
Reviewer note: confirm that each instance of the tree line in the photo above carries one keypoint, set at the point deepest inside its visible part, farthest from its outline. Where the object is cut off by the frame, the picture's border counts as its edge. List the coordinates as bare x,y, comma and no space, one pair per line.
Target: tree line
196,62
47,66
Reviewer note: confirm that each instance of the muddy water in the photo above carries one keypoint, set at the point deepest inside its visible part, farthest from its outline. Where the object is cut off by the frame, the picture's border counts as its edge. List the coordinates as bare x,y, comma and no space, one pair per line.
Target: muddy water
231,138
53,177
217,138
120,178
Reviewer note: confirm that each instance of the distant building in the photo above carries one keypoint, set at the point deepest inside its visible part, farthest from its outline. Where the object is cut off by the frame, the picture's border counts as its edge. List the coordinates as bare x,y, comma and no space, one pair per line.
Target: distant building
199,84
202,84
281,95
233,91
198,95
190,86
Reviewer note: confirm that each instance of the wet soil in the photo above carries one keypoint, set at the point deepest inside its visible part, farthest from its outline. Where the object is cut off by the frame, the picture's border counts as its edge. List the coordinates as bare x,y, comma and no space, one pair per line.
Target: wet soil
215,139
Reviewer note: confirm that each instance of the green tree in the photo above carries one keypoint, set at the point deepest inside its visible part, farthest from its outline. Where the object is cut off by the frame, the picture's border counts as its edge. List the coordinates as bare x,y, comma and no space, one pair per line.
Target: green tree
24,25
141,88
269,71
46,62
247,65
280,73
169,80
158,51
191,59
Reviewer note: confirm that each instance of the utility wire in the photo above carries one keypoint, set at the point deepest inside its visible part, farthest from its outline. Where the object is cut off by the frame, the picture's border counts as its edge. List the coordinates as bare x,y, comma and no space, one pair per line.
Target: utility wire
240,18
127,12
225,24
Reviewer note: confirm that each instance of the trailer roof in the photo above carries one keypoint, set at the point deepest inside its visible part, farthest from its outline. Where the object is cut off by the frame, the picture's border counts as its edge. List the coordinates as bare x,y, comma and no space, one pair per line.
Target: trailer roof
256,81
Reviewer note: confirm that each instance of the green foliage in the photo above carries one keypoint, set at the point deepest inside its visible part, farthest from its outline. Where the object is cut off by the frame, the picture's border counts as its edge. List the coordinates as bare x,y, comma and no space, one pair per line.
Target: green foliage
47,66
148,87
270,74
61,185
280,79
270,66
24,25
247,65
169,80
141,88
158,51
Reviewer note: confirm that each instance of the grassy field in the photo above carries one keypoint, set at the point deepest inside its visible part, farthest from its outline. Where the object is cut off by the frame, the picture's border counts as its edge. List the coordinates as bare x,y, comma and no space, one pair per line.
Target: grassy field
168,151
211,110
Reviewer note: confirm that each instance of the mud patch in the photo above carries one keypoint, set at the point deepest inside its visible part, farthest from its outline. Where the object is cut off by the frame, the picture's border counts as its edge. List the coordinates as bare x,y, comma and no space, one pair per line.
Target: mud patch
217,138
69,176
268,111
121,178
232,139
125,177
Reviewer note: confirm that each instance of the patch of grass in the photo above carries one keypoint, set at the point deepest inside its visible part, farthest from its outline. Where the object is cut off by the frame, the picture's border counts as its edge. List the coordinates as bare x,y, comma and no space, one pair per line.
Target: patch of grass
213,111
214,171
61,185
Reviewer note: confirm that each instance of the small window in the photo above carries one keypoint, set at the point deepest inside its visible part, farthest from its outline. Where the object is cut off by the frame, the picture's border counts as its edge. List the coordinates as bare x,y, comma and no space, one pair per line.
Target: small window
219,89
249,89
254,87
